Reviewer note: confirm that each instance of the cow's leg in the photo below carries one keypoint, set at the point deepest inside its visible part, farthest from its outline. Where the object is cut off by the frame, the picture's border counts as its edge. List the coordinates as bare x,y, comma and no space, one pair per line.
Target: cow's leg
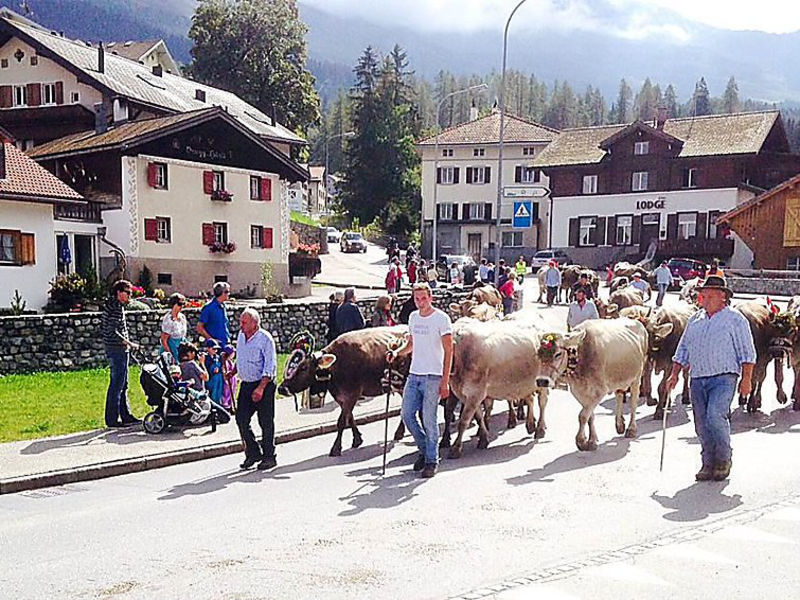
357,439
631,431
449,417
520,411
400,432
592,443
544,394
483,431
583,419
467,412
647,383
619,419
488,405
686,394
336,449
778,363
530,420
796,388
663,397
760,372
512,414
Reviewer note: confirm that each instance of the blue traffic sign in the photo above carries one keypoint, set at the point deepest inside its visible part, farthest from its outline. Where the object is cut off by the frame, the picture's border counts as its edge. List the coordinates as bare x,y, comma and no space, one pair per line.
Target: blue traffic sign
523,215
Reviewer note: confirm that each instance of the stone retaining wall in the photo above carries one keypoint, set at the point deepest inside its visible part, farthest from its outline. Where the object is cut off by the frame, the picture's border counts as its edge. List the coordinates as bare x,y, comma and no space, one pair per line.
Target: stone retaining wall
764,285
308,234
58,342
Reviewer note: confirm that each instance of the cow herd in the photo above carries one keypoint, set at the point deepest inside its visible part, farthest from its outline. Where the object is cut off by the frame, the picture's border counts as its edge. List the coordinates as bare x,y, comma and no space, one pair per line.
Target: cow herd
519,359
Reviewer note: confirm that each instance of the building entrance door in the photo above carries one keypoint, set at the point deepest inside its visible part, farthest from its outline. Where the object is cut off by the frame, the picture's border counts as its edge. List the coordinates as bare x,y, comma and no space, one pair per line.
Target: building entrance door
650,227
474,246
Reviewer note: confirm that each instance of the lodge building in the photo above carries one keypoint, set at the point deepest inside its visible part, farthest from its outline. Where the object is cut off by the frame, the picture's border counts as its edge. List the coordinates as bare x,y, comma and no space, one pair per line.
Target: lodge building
618,189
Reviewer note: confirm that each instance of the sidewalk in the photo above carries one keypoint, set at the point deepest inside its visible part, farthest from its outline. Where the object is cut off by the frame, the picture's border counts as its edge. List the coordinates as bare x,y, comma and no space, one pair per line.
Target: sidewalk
102,453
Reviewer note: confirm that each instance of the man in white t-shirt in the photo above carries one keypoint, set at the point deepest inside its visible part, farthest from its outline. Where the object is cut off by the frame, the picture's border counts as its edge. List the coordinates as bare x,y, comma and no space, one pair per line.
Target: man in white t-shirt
430,342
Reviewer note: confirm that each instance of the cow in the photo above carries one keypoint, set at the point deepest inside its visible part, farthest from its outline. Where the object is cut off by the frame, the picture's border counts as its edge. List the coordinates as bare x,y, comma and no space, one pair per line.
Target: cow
665,328
350,367
637,311
627,296
570,275
495,360
487,294
626,269
690,290
598,356
794,309
473,309
772,333
540,280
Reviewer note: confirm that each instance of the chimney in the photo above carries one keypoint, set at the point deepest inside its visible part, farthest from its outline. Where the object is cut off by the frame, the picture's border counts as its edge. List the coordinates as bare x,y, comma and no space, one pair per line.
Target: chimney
3,159
473,112
100,118
661,117
101,58
200,95
158,71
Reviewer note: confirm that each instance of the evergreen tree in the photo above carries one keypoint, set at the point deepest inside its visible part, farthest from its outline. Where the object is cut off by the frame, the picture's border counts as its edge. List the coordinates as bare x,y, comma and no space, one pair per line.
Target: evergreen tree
671,102
623,105
701,101
730,99
644,107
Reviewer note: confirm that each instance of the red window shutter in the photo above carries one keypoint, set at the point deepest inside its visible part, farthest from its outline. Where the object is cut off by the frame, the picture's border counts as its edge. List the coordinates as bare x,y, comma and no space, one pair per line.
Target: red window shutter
6,96
151,230
34,94
266,237
266,189
152,172
59,92
208,234
208,182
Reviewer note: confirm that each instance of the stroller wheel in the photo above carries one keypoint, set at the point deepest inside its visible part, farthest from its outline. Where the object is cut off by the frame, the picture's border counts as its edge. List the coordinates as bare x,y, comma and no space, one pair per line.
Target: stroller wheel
154,422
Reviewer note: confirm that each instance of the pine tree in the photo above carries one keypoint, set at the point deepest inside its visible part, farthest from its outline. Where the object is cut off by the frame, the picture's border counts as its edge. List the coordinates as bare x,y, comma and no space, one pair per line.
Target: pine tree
701,101
671,102
644,107
730,99
624,103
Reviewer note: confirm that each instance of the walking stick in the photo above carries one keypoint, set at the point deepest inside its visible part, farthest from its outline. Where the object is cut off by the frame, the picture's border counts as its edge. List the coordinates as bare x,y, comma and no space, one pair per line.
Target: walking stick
386,421
664,432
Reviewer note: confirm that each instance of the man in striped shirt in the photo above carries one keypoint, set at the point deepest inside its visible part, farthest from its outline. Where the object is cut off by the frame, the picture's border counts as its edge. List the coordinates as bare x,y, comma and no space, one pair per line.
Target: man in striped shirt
717,346
114,331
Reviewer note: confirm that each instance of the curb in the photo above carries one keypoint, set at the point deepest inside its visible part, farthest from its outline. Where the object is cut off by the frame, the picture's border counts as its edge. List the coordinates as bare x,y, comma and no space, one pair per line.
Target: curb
164,459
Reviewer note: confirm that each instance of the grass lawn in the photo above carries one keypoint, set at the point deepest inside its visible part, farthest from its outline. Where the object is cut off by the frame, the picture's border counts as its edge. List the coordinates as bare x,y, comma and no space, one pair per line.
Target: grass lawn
44,404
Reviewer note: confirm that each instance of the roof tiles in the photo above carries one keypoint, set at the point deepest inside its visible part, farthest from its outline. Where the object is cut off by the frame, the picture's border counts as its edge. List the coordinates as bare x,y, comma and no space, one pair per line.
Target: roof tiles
486,130
24,177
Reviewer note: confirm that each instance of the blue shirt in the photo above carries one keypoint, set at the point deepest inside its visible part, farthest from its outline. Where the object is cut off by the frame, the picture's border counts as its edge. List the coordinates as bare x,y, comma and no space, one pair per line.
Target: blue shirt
663,275
717,344
255,358
215,320
552,278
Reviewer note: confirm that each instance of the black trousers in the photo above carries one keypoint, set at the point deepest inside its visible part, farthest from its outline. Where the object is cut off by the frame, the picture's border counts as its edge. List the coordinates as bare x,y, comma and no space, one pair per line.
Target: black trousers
265,409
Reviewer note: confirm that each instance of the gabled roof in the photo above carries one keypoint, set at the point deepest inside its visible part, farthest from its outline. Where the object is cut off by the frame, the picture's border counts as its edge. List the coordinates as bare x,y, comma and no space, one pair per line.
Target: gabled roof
712,135
129,79
28,181
638,125
130,49
135,133
761,198
486,130
316,172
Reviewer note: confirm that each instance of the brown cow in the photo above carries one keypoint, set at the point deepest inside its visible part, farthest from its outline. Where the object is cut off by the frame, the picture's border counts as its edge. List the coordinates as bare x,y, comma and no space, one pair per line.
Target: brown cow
626,269
597,356
350,367
474,310
627,296
487,294
570,275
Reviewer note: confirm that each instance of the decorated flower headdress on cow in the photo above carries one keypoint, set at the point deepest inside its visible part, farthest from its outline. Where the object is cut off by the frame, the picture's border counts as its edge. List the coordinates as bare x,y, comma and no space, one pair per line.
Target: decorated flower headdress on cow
548,346
785,322
301,345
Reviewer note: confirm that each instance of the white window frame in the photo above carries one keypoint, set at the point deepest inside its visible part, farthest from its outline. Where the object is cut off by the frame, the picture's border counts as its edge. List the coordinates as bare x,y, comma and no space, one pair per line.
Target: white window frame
256,237
793,263
220,232
75,97
446,211
20,96
10,246
163,230
691,178
530,175
640,181
448,175
478,175
476,211
255,192
162,180
479,152
590,184
515,238
219,181
641,148
687,226
585,227
48,94
624,232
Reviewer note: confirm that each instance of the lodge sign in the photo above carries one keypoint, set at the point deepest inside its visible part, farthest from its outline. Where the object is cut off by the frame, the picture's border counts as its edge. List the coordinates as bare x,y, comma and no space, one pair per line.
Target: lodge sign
659,204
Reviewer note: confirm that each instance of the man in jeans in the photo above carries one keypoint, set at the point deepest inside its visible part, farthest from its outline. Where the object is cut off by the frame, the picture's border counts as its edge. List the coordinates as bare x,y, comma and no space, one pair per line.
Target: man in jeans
430,342
552,281
717,346
663,281
115,340
256,366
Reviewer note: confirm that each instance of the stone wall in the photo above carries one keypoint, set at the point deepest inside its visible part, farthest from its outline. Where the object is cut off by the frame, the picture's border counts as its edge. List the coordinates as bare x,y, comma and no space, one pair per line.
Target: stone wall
308,234
57,342
764,285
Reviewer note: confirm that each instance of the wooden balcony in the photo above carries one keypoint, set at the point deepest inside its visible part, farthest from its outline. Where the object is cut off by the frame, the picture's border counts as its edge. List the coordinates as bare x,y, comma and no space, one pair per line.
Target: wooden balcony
697,247
85,213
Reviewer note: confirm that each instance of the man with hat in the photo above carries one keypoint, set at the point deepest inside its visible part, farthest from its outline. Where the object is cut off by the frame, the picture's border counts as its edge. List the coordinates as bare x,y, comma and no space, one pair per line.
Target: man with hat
717,346
583,284
663,280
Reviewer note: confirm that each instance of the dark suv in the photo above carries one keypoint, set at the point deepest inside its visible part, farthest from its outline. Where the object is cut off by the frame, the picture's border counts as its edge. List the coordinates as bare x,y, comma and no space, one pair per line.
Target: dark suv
684,269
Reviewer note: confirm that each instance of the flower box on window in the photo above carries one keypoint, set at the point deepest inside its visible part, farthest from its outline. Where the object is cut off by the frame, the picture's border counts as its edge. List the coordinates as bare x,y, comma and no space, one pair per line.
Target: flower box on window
308,249
221,195
226,247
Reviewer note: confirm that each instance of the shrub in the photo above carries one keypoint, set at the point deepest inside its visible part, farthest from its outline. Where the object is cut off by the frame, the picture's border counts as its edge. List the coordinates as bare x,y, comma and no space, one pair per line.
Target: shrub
67,291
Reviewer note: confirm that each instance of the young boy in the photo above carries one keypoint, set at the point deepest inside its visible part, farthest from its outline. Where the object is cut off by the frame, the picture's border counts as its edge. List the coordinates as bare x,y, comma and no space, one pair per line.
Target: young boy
191,370
213,365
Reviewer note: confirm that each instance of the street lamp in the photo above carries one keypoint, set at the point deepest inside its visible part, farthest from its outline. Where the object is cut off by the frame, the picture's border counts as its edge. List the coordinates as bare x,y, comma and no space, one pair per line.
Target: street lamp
472,88
347,135
497,233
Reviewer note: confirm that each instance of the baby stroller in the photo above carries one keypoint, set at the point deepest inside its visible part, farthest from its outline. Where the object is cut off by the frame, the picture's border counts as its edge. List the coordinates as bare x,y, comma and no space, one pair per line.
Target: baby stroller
174,403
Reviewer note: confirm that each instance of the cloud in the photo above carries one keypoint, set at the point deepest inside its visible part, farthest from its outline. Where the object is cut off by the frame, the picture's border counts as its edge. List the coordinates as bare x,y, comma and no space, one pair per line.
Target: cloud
624,18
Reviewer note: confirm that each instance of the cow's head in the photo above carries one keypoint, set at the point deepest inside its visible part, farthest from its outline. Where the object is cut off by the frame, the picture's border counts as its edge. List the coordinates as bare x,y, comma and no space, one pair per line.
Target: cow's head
611,311
656,333
784,328
463,308
305,371
554,355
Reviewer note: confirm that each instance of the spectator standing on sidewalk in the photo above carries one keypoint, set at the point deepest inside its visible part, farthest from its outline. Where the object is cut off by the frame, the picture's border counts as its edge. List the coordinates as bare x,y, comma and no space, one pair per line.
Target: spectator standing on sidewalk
430,342
114,331
382,316
213,321
507,295
348,315
521,268
411,270
717,346
334,301
552,281
256,364
483,271
663,280
432,275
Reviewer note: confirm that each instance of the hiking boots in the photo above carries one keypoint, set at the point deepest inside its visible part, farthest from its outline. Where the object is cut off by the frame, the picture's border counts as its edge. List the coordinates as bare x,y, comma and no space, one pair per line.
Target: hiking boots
722,470
419,464
429,470
704,474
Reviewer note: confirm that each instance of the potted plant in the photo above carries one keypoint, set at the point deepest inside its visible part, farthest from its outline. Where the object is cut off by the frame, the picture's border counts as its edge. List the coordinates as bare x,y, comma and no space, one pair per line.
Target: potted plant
226,247
221,195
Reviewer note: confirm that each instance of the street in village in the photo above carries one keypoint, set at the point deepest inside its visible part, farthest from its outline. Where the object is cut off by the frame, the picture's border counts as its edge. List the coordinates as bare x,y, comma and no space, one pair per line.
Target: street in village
522,519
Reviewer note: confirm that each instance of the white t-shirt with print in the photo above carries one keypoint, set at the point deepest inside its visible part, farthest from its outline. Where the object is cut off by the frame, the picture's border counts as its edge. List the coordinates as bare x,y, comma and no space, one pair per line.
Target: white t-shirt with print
427,357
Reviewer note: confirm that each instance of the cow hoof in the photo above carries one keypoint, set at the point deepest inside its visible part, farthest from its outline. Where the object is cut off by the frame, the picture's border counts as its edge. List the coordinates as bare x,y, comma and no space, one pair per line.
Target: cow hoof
591,445
742,400
398,436
796,405
658,414
483,444
357,441
649,399
782,399
630,433
685,399
511,424
445,443
530,427
335,452
620,427
539,434
455,452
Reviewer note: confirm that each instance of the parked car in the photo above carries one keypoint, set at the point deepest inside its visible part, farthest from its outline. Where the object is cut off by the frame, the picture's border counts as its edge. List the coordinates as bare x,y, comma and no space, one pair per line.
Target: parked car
684,269
352,241
334,235
543,257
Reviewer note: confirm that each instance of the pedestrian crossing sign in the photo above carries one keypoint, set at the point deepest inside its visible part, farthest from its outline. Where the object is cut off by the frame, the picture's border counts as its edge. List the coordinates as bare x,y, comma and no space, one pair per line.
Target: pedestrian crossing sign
522,215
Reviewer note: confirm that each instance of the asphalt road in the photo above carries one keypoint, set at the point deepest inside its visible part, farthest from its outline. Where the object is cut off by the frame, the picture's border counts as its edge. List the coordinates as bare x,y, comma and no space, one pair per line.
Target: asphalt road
522,519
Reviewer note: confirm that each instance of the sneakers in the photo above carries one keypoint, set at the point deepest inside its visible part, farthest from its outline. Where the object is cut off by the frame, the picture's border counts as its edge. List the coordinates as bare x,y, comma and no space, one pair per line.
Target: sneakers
429,470
704,474
249,462
267,463
419,464
722,470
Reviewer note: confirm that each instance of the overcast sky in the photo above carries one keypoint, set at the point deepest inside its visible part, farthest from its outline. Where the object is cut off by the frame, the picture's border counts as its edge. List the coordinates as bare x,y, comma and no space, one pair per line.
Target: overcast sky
628,18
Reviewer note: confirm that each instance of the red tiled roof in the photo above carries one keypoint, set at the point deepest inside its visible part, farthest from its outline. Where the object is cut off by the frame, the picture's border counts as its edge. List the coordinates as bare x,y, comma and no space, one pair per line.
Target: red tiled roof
24,177
486,130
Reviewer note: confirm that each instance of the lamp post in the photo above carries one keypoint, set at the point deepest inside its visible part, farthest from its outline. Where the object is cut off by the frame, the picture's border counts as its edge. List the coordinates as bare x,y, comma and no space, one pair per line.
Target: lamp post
472,88
347,135
497,233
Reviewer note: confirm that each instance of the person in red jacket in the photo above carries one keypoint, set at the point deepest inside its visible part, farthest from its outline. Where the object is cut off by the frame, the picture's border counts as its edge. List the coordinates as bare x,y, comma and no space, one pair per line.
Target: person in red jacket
412,271
507,294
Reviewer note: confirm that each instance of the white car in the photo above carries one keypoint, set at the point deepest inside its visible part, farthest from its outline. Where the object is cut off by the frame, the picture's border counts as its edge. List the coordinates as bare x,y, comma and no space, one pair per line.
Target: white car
352,241
334,235
543,257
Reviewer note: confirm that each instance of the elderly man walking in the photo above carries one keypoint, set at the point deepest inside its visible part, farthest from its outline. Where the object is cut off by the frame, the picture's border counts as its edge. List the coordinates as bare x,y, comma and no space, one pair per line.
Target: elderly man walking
717,346
256,365
213,322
